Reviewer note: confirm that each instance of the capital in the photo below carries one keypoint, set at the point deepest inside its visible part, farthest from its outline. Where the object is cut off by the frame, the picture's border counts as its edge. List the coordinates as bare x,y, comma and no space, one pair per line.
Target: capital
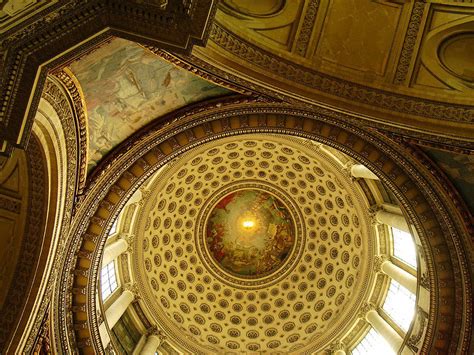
378,261
346,170
337,346
373,212
366,308
133,288
154,330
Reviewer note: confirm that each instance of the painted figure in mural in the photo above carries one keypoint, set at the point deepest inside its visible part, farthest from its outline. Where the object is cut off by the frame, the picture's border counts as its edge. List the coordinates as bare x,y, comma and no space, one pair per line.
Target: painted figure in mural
134,86
250,233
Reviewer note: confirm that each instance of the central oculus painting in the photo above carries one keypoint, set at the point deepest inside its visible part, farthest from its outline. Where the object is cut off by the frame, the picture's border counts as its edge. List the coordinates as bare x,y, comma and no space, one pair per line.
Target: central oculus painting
250,233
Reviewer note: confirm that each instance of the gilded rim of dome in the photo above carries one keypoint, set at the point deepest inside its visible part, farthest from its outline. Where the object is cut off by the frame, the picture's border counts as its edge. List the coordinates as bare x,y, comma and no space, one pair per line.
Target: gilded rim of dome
270,277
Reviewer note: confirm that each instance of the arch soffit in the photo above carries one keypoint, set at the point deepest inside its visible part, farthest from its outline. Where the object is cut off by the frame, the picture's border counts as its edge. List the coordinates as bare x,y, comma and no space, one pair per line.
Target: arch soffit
32,209
55,130
140,21
141,156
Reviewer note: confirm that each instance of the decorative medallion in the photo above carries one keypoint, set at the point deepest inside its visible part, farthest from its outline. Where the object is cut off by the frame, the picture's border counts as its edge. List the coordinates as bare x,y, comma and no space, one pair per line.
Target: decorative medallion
250,233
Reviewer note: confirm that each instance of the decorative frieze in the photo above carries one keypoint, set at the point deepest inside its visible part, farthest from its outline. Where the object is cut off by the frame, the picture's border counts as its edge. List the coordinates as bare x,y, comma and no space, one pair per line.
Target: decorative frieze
413,30
425,281
421,318
378,261
366,308
307,27
10,204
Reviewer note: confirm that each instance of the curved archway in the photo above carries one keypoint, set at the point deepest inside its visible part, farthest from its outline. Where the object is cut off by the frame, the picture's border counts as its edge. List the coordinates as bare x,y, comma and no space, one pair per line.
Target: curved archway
442,234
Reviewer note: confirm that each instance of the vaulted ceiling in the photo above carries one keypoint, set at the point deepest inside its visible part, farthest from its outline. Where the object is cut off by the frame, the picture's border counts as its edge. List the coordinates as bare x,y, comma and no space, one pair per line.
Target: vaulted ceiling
98,96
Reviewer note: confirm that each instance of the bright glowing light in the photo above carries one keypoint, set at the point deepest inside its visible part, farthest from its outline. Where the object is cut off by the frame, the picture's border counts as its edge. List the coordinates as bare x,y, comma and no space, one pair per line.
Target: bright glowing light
373,343
400,305
248,223
403,247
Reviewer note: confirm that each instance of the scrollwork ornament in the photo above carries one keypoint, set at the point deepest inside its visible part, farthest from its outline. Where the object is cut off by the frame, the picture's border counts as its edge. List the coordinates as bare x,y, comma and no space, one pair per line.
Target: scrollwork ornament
410,41
378,261
307,27
145,193
366,308
346,170
414,339
425,281
315,146
133,288
129,238
337,346
154,330
73,89
373,213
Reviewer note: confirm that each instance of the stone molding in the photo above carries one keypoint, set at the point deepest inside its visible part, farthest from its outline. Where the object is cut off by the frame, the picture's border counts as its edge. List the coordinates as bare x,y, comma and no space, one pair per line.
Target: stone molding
23,278
412,33
338,87
79,115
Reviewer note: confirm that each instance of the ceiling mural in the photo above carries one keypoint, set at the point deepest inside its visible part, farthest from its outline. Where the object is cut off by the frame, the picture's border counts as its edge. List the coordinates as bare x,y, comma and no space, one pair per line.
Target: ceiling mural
460,170
249,232
126,86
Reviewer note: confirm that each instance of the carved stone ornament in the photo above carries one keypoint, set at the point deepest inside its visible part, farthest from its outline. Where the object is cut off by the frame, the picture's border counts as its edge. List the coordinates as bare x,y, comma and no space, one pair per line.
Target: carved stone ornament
154,330
414,341
130,238
79,116
43,341
378,261
372,213
425,281
133,288
14,302
268,64
57,97
337,346
346,170
366,308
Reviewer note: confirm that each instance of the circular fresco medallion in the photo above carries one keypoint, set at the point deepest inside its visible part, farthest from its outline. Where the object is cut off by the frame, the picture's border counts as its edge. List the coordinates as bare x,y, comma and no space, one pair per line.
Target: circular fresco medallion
250,233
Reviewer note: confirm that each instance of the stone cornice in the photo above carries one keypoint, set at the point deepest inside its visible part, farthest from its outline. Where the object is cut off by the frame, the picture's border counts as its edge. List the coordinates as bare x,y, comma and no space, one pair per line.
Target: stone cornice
272,75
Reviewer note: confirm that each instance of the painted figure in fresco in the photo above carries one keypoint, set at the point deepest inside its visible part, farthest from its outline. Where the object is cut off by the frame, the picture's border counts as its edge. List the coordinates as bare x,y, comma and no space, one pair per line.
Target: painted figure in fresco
134,86
250,232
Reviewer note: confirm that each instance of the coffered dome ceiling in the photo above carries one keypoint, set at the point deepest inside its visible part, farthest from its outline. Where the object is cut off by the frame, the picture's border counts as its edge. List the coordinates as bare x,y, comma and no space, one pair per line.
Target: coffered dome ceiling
253,243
